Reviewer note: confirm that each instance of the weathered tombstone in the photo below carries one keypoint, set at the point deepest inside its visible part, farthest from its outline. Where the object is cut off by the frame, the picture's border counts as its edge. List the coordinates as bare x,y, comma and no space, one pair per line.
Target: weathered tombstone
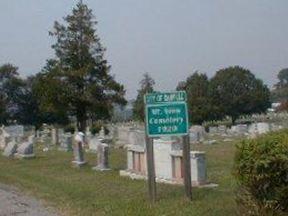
136,137
196,133
263,127
93,143
102,133
102,157
10,149
66,142
26,149
222,129
239,129
213,130
198,168
46,137
5,138
122,137
15,130
54,136
78,150
168,162
252,130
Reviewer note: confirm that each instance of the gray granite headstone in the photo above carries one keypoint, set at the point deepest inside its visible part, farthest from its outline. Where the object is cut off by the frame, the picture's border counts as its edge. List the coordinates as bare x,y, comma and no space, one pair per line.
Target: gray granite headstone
25,150
5,138
102,157
66,142
10,149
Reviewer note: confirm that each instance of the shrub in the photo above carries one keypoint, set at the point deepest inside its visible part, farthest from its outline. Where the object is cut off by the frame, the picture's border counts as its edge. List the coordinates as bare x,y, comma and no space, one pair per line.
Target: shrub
261,170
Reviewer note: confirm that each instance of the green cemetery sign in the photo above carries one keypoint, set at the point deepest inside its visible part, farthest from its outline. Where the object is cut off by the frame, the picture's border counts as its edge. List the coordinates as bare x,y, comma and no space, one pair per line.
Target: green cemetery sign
166,114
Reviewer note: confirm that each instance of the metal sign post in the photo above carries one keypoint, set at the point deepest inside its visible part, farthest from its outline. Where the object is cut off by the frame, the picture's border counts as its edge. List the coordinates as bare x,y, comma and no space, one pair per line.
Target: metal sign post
166,115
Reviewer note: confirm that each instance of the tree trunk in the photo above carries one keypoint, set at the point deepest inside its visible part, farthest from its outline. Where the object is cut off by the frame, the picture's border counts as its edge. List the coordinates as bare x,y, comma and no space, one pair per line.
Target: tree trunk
234,118
81,119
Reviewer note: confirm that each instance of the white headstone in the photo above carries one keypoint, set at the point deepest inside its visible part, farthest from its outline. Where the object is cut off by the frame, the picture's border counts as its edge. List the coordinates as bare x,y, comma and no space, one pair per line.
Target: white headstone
78,150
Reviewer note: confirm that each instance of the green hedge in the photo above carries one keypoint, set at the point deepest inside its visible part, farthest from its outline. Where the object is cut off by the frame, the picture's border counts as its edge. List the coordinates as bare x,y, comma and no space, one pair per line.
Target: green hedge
261,169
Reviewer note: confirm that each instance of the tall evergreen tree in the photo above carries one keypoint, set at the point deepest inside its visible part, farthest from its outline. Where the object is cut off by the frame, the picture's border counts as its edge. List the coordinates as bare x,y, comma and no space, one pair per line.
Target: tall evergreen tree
146,86
78,79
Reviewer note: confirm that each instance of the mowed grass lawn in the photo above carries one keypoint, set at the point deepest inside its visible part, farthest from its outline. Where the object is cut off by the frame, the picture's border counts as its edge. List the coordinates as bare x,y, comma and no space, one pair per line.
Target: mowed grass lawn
73,191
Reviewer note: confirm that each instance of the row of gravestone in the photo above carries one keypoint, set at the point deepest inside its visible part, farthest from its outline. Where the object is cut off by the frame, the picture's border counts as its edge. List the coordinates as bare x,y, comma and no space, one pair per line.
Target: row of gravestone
16,133
198,133
20,149
26,150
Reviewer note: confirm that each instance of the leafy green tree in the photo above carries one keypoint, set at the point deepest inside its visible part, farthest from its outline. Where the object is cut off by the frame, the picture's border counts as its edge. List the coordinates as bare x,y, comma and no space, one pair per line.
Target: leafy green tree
146,86
28,106
283,77
236,91
9,89
78,79
280,93
199,105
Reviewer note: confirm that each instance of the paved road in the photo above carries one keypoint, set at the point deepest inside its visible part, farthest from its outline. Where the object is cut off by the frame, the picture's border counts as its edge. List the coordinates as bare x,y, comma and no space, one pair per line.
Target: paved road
13,203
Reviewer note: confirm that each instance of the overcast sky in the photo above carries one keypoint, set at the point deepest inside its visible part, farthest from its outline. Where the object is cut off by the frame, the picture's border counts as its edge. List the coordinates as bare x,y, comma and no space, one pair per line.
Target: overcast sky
167,38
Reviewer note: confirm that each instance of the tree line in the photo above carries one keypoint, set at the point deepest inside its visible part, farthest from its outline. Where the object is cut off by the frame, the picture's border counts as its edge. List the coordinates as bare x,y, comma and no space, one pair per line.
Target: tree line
231,92
76,84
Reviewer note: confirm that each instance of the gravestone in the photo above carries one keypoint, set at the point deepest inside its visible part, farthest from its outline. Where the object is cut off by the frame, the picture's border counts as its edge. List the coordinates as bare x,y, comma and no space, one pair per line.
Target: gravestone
102,133
213,130
122,136
66,142
168,158
54,136
239,129
196,133
93,143
102,157
46,136
10,149
78,150
136,137
5,138
15,130
198,168
222,129
263,127
26,149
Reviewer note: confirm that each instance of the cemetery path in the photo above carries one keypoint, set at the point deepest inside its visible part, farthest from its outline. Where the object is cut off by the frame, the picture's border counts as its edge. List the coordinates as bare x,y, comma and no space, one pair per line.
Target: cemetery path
12,202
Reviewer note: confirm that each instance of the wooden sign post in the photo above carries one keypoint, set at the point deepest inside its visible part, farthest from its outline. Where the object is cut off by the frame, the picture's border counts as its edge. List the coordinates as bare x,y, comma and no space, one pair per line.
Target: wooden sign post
151,169
187,167
166,115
